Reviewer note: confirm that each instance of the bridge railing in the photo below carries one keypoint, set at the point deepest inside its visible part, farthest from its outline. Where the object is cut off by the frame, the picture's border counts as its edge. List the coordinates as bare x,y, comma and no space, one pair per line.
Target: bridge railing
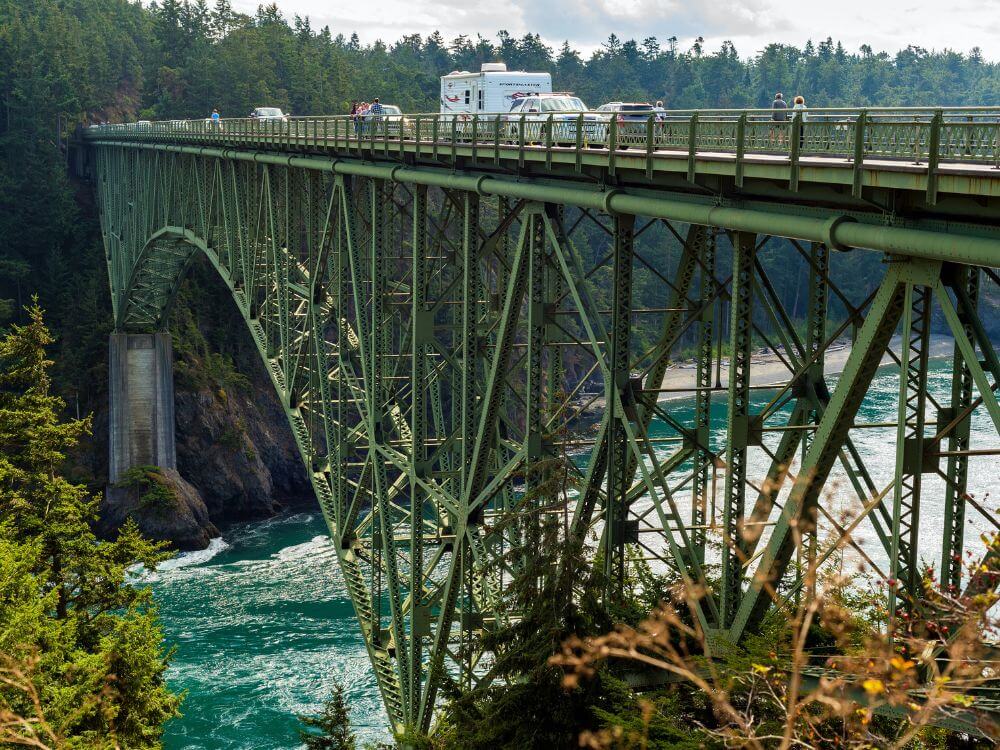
961,135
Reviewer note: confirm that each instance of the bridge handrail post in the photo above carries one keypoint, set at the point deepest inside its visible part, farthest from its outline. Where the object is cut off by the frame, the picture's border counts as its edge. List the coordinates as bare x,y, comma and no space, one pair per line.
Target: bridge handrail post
649,146
579,143
435,123
741,147
416,135
692,146
860,124
860,135
996,144
475,137
496,140
549,141
795,147
454,139
934,156
612,142
520,141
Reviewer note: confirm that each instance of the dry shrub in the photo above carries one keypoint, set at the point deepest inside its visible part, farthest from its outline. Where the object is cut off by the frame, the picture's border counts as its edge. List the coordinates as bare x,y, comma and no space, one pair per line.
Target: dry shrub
924,670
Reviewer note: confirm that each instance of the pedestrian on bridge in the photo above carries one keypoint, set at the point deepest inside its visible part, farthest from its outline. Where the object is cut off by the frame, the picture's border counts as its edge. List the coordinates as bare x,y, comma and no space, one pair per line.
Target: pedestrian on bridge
375,114
779,108
216,118
800,108
779,114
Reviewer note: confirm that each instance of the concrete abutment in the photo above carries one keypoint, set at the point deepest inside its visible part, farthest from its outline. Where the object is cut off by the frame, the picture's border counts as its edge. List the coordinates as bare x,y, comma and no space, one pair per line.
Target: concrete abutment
141,432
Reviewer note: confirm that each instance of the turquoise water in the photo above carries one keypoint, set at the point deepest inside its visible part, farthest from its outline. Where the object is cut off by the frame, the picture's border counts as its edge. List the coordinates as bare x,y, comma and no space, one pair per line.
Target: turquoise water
263,624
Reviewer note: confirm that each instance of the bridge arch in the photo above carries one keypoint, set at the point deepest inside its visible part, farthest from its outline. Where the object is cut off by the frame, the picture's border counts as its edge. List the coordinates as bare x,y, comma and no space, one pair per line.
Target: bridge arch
154,230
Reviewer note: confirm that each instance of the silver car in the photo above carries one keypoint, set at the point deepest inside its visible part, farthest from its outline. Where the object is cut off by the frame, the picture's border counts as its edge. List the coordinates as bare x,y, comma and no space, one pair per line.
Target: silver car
269,114
562,110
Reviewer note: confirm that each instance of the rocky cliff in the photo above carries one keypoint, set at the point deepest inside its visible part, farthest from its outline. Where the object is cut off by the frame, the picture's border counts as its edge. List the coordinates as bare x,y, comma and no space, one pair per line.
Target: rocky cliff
236,458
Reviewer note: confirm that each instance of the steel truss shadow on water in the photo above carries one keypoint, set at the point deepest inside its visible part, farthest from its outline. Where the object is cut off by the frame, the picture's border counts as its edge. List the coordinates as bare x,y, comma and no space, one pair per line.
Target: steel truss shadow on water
426,303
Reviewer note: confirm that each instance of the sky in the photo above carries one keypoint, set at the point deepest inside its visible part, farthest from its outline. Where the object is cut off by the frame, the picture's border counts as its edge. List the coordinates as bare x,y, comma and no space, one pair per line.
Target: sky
750,24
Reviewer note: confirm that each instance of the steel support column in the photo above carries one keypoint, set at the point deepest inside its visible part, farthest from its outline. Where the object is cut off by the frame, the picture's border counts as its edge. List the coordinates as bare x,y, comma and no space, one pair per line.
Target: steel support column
740,430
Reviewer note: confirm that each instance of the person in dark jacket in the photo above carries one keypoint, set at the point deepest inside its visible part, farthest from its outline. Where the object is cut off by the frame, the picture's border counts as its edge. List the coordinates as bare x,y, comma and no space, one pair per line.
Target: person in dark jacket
779,108
779,113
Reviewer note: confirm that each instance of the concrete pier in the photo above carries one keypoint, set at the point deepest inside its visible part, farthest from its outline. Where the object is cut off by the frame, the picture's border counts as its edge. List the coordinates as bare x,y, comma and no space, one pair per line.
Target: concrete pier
141,402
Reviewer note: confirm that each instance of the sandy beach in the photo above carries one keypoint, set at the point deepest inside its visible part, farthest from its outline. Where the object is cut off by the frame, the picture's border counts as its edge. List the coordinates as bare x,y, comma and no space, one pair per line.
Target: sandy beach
767,368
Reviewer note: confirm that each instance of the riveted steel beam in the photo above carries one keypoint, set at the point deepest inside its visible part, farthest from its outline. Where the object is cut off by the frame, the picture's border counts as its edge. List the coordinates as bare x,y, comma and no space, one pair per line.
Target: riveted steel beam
834,232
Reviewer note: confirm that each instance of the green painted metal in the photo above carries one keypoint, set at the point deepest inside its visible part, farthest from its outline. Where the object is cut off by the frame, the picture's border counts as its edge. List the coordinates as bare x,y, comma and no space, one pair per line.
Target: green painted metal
740,434
963,135
435,329
905,577
958,442
836,229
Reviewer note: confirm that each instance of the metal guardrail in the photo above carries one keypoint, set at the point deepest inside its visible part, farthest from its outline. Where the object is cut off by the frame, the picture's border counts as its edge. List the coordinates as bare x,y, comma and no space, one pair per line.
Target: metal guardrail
922,136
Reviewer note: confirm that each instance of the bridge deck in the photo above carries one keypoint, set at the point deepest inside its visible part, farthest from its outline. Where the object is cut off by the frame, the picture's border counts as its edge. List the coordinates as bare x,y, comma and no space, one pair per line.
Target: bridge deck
932,151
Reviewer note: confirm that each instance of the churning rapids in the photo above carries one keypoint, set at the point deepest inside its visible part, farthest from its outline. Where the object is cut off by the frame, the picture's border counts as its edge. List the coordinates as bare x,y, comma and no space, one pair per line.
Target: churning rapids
262,622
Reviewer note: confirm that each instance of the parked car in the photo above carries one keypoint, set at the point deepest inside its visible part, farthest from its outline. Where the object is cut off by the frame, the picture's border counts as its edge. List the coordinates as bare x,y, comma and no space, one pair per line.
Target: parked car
630,111
269,114
395,120
563,110
633,119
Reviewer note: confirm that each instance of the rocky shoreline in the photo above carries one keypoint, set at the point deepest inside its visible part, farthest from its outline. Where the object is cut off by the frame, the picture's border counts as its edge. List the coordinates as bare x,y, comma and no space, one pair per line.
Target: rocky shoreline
236,461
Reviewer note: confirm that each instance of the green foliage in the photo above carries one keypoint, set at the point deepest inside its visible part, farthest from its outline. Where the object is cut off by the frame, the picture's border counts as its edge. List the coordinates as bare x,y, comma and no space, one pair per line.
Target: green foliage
199,364
69,61
68,609
154,493
331,730
527,705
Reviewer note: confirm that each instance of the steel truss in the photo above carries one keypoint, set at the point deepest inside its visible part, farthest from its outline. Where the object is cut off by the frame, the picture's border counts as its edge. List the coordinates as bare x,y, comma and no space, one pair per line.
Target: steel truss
431,343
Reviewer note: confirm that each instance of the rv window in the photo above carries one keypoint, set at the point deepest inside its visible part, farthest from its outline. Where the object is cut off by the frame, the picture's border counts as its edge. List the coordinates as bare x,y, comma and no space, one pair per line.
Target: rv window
480,98
466,96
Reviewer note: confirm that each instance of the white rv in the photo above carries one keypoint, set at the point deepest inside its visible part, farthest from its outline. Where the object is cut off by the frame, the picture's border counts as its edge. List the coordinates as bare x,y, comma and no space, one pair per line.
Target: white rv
493,90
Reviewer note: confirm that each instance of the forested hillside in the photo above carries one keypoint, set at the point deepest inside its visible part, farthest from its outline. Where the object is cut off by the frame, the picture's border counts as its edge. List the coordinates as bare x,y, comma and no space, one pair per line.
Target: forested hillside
64,62
92,60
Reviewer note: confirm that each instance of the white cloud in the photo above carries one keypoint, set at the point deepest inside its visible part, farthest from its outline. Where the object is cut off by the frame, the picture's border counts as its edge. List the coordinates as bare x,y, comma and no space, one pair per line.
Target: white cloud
751,24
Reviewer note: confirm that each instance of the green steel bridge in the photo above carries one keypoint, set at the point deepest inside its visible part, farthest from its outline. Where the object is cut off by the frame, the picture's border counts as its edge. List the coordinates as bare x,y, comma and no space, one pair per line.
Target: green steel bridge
441,303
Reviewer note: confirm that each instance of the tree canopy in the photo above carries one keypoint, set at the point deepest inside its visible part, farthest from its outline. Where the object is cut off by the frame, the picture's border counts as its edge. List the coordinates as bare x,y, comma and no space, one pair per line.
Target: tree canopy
84,641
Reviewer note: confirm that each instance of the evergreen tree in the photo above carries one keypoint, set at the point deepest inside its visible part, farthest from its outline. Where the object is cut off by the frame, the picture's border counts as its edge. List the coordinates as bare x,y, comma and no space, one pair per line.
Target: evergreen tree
95,636
331,730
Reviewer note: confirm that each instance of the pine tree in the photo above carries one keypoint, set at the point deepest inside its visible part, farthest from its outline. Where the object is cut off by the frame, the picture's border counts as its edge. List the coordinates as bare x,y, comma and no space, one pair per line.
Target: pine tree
94,638
222,18
331,730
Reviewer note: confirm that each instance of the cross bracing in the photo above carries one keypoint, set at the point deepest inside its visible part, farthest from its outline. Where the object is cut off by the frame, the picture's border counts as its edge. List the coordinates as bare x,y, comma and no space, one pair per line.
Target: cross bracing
438,318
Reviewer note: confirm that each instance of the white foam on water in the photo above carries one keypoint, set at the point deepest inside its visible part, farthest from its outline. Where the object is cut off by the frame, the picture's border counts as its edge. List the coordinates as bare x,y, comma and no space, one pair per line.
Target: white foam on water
138,574
196,557
318,546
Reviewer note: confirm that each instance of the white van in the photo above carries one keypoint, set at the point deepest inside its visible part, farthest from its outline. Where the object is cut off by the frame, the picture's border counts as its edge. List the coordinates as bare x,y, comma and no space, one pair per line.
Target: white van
493,90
